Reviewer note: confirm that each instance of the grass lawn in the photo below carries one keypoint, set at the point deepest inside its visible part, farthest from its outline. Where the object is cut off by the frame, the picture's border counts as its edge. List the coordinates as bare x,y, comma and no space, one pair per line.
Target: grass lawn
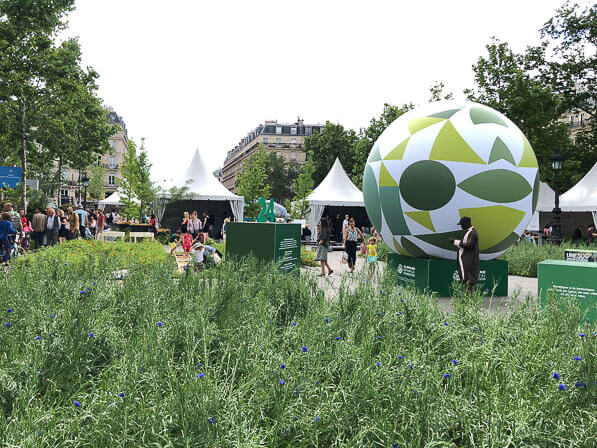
242,355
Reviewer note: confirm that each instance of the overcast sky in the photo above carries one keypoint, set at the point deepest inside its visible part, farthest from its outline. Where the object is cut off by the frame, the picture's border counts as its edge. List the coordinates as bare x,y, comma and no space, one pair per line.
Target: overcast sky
189,74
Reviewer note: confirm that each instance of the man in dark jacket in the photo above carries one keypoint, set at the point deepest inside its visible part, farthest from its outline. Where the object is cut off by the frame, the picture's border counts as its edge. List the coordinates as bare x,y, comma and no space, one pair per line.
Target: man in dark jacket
468,254
52,227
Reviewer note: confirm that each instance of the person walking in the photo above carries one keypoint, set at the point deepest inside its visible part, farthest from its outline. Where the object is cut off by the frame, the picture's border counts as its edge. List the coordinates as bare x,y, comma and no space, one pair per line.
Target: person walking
101,223
64,226
350,243
323,237
73,225
590,234
53,226
82,220
39,228
468,254
577,236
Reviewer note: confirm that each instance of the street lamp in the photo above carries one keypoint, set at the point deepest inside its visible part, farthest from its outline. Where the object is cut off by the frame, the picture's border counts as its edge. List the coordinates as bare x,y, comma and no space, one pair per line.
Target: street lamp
556,226
85,184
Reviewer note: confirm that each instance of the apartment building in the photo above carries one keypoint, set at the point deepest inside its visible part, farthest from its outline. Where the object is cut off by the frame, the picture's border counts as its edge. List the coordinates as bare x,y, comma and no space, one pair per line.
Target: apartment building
72,187
286,139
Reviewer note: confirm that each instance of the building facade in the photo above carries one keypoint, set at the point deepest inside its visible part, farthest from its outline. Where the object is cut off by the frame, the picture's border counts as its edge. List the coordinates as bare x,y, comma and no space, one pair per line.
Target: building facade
286,139
72,187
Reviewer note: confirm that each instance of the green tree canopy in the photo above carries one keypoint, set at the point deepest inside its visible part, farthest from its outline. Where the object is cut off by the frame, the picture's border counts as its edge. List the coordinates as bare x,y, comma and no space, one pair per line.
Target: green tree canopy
251,182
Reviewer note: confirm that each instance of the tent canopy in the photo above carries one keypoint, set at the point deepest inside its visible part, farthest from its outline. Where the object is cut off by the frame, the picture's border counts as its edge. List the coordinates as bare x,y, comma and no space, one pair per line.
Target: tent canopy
545,201
203,186
336,189
582,197
114,199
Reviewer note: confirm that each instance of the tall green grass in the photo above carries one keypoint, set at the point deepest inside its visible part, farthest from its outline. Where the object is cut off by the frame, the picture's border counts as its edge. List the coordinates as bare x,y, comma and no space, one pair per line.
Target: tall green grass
197,361
523,258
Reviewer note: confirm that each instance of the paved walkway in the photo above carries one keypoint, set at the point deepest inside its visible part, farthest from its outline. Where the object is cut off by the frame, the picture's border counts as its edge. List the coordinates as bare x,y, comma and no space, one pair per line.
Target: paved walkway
518,287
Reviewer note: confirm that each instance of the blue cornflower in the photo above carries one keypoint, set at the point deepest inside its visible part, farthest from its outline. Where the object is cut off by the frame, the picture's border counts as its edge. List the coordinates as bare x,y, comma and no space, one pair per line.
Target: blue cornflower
378,337
9,310
121,395
211,420
92,335
581,384
317,382
283,366
317,418
52,316
411,366
7,325
578,358
211,309
561,387
160,323
378,364
294,324
475,329
38,338
305,349
396,445
454,362
88,289
65,264
200,375
400,357
556,376
379,314
83,292
582,335
446,324
327,321
337,338
281,382
94,283
447,375
77,404
200,365
271,322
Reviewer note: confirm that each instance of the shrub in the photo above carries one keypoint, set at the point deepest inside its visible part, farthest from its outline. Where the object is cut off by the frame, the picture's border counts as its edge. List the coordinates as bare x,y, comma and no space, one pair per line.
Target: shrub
523,258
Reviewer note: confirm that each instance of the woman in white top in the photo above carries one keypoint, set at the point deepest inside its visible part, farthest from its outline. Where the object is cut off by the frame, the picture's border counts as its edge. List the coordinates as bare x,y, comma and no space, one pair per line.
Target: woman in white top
351,237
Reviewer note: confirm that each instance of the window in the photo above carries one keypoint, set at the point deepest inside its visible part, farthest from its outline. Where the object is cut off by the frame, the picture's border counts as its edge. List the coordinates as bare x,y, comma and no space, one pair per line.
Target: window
278,129
265,141
112,163
111,179
113,144
308,130
293,156
582,119
293,129
278,142
293,142
64,193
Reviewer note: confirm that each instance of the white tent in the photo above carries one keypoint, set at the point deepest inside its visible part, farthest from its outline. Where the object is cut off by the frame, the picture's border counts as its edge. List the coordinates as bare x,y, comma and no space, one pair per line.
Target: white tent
545,201
203,186
580,198
114,199
335,190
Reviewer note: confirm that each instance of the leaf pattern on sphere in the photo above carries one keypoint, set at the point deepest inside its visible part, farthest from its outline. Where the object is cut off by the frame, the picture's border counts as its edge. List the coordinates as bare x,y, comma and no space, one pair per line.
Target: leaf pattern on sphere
497,186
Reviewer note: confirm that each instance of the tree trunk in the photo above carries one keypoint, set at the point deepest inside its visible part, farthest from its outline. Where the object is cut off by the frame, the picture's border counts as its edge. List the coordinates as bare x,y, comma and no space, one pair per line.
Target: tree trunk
59,196
23,155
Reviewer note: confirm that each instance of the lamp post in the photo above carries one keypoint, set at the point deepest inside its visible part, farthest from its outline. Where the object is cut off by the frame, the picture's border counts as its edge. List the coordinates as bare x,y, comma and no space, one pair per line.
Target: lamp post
85,184
556,226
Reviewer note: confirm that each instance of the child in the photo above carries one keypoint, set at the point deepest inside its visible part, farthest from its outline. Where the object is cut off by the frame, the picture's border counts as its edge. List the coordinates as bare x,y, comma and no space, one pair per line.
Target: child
198,254
174,242
372,254
187,242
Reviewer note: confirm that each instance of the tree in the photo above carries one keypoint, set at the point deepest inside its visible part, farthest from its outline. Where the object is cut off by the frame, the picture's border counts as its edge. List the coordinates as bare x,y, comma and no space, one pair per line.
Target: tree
332,142
97,177
26,32
511,83
437,93
137,188
280,176
299,206
252,182
573,72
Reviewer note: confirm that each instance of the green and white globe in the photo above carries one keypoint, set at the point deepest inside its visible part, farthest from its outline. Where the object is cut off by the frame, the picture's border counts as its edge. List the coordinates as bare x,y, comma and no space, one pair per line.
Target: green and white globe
443,161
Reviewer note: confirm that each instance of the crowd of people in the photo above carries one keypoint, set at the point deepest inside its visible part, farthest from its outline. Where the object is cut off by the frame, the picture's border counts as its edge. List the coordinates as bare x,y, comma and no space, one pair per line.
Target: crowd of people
53,226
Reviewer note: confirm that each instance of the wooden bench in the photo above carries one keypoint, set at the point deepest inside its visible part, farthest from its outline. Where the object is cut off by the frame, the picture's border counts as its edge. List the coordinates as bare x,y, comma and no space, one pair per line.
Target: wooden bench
111,235
182,261
135,235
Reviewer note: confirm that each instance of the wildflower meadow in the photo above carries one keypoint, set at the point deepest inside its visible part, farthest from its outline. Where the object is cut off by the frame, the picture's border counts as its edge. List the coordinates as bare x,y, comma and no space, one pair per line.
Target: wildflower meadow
245,356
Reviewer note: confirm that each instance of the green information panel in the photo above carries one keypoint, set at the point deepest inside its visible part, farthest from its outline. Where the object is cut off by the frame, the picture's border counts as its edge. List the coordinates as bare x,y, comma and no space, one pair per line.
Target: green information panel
277,242
439,275
570,279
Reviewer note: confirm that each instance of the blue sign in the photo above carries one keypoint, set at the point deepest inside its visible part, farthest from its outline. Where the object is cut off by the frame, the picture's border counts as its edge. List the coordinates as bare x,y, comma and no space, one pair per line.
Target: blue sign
10,176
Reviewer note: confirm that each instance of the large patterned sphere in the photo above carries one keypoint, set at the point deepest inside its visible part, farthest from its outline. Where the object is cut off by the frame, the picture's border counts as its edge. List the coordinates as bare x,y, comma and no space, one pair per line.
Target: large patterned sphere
443,161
